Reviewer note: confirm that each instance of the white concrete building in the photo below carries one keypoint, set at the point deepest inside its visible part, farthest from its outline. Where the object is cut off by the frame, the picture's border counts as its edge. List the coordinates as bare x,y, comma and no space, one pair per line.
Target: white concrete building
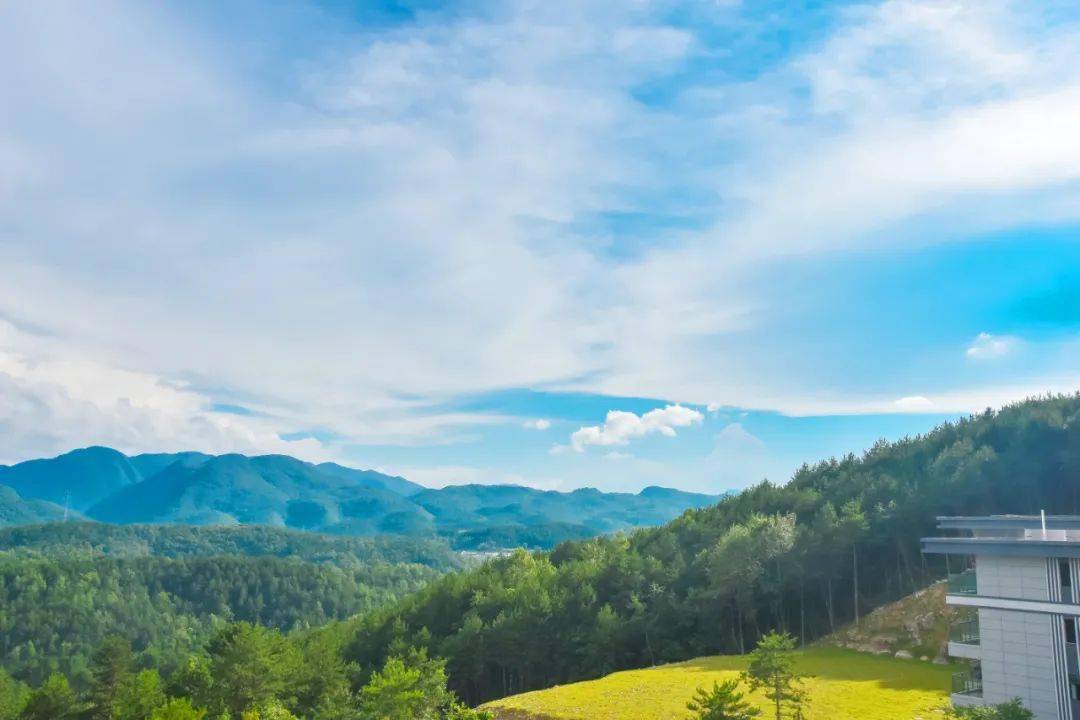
1020,577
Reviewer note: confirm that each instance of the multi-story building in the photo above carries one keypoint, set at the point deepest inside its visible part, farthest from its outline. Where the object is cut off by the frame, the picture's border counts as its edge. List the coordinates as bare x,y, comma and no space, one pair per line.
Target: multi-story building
1019,578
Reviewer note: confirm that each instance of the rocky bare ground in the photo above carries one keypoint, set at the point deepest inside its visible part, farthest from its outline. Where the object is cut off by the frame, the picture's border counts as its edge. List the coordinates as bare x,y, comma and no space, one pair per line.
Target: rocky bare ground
916,626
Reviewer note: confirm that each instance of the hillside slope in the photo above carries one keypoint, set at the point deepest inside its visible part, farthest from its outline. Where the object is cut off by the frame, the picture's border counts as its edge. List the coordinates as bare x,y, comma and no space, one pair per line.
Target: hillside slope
843,685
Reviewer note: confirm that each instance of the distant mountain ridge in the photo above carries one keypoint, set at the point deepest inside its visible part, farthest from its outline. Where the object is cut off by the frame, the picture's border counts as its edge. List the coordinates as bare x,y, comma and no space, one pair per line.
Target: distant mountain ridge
103,484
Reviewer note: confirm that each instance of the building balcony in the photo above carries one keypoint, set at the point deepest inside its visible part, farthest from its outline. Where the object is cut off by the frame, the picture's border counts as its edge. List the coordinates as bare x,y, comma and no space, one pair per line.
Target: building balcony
964,640
967,683
963,583
965,631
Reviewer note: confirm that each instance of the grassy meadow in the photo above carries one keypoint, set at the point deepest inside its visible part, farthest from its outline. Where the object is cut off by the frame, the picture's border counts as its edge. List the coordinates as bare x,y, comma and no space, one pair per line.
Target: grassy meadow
843,685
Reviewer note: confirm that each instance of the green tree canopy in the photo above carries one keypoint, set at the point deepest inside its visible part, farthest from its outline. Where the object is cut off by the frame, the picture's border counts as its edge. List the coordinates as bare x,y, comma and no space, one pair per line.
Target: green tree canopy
251,667
54,700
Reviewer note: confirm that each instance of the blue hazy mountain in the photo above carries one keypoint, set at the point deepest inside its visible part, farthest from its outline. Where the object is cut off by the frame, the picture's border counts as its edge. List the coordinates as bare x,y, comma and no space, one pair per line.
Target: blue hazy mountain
79,478
278,490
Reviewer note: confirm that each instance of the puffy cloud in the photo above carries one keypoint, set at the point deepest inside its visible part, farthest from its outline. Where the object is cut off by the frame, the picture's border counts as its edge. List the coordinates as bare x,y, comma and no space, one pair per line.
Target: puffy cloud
988,347
620,426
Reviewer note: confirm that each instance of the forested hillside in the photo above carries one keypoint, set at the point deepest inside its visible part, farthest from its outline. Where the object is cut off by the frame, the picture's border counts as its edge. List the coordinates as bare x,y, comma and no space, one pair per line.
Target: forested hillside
65,587
840,537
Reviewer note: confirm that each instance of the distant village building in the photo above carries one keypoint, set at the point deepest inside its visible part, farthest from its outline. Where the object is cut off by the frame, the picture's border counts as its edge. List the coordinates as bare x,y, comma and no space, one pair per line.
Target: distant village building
1020,577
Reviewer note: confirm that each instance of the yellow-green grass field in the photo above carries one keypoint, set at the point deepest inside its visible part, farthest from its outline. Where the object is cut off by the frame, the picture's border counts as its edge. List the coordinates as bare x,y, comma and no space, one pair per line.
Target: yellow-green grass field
843,685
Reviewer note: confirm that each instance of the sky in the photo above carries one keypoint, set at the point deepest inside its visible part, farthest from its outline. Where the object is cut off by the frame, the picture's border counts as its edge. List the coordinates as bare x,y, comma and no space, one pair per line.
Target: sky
556,243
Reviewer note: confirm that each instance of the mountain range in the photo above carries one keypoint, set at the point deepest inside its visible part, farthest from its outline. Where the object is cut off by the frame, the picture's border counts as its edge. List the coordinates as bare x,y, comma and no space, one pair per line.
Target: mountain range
103,484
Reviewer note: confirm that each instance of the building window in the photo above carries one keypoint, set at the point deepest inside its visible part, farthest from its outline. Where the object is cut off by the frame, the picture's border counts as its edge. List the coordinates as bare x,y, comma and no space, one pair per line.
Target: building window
1066,576
1070,630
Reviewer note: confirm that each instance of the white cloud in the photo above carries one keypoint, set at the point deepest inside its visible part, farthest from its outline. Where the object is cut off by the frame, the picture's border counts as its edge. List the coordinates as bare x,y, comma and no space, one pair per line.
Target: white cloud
915,403
49,404
988,347
620,426
538,424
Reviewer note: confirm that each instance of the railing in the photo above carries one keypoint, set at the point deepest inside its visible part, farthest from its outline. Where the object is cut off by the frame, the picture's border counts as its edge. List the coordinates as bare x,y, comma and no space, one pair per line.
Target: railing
965,631
963,583
967,683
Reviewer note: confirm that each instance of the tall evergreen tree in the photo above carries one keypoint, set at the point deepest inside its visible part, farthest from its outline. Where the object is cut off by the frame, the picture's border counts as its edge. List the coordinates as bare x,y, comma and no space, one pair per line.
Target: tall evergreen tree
110,670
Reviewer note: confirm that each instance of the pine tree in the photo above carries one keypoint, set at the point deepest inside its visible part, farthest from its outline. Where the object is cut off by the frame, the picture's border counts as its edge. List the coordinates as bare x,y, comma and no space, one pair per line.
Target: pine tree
772,669
723,702
110,669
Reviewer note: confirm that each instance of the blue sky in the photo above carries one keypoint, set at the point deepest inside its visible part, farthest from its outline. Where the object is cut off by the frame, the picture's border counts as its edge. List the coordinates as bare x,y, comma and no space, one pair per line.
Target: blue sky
562,243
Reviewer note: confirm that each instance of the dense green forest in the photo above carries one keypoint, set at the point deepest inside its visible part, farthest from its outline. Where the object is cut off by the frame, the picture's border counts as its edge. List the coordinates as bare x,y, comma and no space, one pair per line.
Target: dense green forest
54,611
64,587
840,537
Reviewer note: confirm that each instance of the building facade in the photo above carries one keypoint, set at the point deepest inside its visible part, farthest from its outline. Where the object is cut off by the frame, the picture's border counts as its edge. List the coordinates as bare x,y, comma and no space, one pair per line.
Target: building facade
1018,579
